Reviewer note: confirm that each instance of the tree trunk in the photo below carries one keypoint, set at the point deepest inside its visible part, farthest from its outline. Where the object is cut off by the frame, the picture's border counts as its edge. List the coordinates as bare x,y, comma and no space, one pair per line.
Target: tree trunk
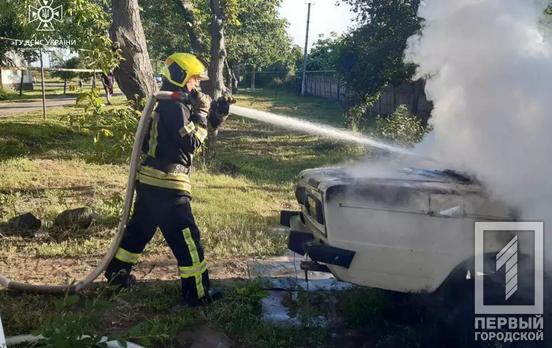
21,83
134,74
233,80
218,51
253,77
216,86
198,46
1,80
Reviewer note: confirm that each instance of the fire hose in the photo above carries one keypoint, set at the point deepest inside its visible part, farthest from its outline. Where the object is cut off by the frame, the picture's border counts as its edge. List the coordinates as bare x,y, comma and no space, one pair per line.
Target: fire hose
143,125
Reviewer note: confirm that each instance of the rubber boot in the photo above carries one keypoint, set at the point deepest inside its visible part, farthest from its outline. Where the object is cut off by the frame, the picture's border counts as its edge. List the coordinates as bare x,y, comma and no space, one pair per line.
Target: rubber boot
118,275
212,295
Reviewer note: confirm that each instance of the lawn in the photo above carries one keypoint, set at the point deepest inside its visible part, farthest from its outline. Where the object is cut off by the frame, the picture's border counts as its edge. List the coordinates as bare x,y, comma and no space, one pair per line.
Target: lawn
49,166
53,89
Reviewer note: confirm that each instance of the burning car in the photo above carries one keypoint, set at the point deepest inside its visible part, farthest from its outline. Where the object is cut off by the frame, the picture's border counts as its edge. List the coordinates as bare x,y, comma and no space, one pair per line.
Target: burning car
408,230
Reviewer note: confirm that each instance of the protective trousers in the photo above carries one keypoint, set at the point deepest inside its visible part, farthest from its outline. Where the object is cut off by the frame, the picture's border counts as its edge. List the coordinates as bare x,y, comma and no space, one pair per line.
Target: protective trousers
172,213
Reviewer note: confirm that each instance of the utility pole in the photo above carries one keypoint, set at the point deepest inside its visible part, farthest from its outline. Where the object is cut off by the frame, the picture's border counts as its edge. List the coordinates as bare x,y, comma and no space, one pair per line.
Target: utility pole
42,85
305,56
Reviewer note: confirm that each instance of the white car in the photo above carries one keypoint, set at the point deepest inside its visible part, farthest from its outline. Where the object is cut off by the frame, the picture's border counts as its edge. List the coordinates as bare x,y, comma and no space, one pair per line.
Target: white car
406,231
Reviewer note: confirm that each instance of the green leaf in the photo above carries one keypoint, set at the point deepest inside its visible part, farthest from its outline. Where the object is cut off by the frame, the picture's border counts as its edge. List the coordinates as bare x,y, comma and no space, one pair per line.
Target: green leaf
71,300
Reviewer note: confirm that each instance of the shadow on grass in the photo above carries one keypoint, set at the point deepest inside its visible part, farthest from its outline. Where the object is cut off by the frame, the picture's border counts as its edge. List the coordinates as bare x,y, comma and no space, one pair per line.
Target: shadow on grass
28,138
49,139
71,190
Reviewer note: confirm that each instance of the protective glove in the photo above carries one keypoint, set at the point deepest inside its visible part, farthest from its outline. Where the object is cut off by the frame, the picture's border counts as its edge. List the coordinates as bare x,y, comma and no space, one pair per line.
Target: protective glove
201,103
220,109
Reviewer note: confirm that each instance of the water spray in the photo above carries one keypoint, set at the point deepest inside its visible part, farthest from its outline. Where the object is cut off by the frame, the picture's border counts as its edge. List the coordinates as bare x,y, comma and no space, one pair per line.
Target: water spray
318,129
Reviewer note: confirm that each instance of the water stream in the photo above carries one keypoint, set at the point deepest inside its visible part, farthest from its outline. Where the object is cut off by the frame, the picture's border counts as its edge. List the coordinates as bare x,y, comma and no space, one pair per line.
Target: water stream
316,128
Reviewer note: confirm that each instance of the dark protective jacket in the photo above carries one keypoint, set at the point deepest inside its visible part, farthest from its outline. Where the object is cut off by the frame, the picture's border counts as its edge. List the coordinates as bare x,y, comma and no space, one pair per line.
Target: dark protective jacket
174,135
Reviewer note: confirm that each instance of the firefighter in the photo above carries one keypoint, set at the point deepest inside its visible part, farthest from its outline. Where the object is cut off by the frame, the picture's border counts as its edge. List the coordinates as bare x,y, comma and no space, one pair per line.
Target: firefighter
163,191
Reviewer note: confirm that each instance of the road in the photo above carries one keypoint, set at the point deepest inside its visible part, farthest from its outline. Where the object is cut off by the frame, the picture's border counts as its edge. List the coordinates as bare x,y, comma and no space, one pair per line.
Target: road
23,106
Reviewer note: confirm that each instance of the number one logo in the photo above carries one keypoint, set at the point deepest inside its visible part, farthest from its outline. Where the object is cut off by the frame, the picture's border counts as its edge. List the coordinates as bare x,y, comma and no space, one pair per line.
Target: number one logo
508,258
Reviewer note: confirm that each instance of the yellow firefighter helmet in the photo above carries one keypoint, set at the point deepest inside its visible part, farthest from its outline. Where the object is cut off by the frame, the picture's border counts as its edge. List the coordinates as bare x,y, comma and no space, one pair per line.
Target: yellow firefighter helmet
179,67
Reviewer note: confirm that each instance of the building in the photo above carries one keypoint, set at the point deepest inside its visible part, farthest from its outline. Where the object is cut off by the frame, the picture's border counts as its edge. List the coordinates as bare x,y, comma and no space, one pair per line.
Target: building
11,77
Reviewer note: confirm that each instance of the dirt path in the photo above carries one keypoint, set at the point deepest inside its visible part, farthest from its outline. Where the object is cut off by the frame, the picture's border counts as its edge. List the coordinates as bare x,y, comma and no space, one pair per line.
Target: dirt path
153,267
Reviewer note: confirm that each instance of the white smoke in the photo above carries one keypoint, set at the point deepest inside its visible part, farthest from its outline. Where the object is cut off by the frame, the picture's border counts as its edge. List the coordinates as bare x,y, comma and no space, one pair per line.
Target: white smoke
488,66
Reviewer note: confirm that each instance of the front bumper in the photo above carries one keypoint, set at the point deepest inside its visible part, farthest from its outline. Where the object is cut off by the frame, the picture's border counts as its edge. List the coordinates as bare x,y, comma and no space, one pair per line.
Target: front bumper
303,242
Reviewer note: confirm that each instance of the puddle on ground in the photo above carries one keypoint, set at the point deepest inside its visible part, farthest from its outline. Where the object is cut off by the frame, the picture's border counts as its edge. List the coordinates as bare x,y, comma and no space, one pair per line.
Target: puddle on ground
282,275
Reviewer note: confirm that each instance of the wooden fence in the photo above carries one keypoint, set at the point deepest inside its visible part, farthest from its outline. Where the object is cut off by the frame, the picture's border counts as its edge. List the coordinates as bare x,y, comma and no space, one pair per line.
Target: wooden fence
326,84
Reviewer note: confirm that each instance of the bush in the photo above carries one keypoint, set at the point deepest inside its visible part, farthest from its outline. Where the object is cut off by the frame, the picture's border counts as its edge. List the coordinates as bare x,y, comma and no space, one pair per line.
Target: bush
401,127
276,83
292,84
3,94
113,129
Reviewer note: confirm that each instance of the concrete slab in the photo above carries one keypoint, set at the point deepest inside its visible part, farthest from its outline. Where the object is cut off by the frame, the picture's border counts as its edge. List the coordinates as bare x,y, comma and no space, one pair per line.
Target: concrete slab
284,272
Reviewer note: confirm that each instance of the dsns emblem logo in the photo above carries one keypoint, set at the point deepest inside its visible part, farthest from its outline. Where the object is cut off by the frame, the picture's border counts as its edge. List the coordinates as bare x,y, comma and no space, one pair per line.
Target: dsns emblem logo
45,15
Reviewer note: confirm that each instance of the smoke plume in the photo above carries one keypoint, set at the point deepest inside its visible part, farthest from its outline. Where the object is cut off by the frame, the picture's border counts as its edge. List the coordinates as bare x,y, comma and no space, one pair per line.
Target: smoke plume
488,65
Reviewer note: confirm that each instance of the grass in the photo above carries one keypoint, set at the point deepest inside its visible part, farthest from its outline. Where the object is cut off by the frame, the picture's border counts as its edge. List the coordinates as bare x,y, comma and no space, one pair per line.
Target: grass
150,316
51,92
266,154
48,166
282,102
239,201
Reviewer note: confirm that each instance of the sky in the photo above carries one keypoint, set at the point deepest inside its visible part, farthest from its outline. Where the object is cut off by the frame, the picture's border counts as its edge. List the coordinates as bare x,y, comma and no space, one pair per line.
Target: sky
325,18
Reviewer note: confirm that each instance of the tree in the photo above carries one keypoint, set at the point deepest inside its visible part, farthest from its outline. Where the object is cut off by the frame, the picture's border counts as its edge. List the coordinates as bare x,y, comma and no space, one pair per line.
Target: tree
134,74
195,13
10,27
325,52
218,49
372,55
170,26
258,38
71,63
84,28
401,128
253,32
